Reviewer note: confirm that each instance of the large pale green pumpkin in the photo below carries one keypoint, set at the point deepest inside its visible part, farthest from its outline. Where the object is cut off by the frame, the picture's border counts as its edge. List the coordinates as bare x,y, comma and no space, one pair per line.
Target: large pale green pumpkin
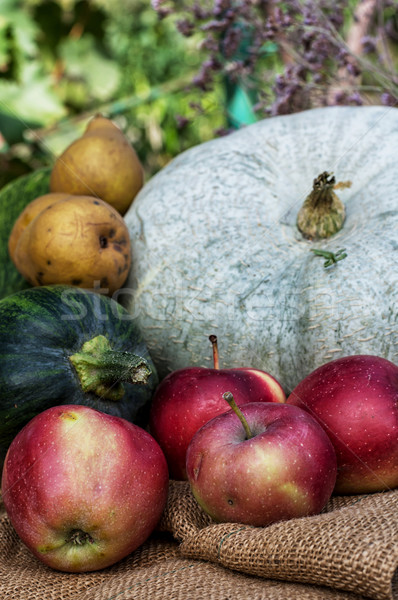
216,248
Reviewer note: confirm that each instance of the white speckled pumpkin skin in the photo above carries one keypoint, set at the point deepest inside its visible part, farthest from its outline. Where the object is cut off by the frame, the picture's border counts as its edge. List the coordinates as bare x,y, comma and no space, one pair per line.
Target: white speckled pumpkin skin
216,249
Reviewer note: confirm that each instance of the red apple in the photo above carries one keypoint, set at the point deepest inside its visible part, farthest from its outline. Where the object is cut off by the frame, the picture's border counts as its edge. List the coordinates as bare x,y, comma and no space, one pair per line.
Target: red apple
355,399
283,466
83,489
187,398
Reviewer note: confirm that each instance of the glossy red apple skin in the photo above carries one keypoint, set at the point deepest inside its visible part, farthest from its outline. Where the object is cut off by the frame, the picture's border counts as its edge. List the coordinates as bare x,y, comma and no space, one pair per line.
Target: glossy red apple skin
286,470
355,399
71,469
187,398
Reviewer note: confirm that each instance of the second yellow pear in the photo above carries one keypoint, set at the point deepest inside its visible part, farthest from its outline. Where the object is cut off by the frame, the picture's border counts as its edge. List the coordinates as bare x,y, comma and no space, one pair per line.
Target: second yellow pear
101,163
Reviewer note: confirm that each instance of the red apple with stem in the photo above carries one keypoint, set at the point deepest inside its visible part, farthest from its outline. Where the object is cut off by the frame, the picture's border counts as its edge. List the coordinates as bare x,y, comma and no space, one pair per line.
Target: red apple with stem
355,399
260,463
187,398
83,489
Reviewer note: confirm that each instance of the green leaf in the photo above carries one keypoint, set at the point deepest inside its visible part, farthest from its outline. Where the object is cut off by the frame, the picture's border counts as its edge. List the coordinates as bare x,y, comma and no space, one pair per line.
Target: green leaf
25,32
23,28
33,100
83,61
4,43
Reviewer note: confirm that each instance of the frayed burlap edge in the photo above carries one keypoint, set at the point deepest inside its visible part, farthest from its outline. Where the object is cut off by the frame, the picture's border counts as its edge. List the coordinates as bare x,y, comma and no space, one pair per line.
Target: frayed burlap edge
351,546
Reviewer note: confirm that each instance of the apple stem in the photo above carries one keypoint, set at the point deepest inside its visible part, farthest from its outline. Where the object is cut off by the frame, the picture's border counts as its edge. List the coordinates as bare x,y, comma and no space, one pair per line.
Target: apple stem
216,360
230,399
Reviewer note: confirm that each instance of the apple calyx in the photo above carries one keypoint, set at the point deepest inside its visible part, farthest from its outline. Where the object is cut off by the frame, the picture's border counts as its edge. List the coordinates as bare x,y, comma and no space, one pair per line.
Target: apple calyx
216,358
230,399
78,537
101,369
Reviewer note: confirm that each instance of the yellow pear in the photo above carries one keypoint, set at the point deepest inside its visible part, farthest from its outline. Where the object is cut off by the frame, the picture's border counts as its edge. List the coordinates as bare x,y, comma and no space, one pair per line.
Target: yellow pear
75,240
101,163
27,215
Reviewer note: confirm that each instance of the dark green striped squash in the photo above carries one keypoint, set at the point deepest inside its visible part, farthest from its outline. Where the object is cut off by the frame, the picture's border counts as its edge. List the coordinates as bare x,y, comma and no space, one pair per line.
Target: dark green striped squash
66,345
13,198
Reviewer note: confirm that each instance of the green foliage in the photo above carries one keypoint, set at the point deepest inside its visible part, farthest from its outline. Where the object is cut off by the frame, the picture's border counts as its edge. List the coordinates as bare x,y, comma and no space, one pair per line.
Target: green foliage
98,75
61,61
51,63
26,97
158,65
13,199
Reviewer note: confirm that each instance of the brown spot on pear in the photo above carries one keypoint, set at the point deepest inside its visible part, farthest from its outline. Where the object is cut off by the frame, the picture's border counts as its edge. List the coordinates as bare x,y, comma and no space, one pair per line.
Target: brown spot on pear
66,244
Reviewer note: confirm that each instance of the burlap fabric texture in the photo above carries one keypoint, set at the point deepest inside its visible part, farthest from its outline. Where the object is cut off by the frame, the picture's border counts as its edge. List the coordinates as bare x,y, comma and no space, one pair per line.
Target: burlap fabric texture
349,552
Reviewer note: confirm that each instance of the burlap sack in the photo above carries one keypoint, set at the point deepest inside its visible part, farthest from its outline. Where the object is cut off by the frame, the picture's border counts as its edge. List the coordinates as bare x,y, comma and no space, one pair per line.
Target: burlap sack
351,546
350,552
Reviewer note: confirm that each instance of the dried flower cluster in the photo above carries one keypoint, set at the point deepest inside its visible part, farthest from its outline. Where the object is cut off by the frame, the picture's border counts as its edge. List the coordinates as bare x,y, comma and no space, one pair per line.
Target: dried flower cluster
327,53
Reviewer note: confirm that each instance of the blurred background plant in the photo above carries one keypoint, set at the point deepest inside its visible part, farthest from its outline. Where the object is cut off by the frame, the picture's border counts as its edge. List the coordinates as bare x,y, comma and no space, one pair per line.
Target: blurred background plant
61,61
295,54
175,73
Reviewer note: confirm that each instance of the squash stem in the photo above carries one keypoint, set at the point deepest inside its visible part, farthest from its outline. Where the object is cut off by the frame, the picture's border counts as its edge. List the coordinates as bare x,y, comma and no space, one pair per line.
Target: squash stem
103,370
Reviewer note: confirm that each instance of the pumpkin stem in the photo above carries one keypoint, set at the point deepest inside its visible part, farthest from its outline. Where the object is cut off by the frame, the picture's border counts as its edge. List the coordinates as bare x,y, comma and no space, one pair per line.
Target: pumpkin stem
102,370
228,397
322,214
